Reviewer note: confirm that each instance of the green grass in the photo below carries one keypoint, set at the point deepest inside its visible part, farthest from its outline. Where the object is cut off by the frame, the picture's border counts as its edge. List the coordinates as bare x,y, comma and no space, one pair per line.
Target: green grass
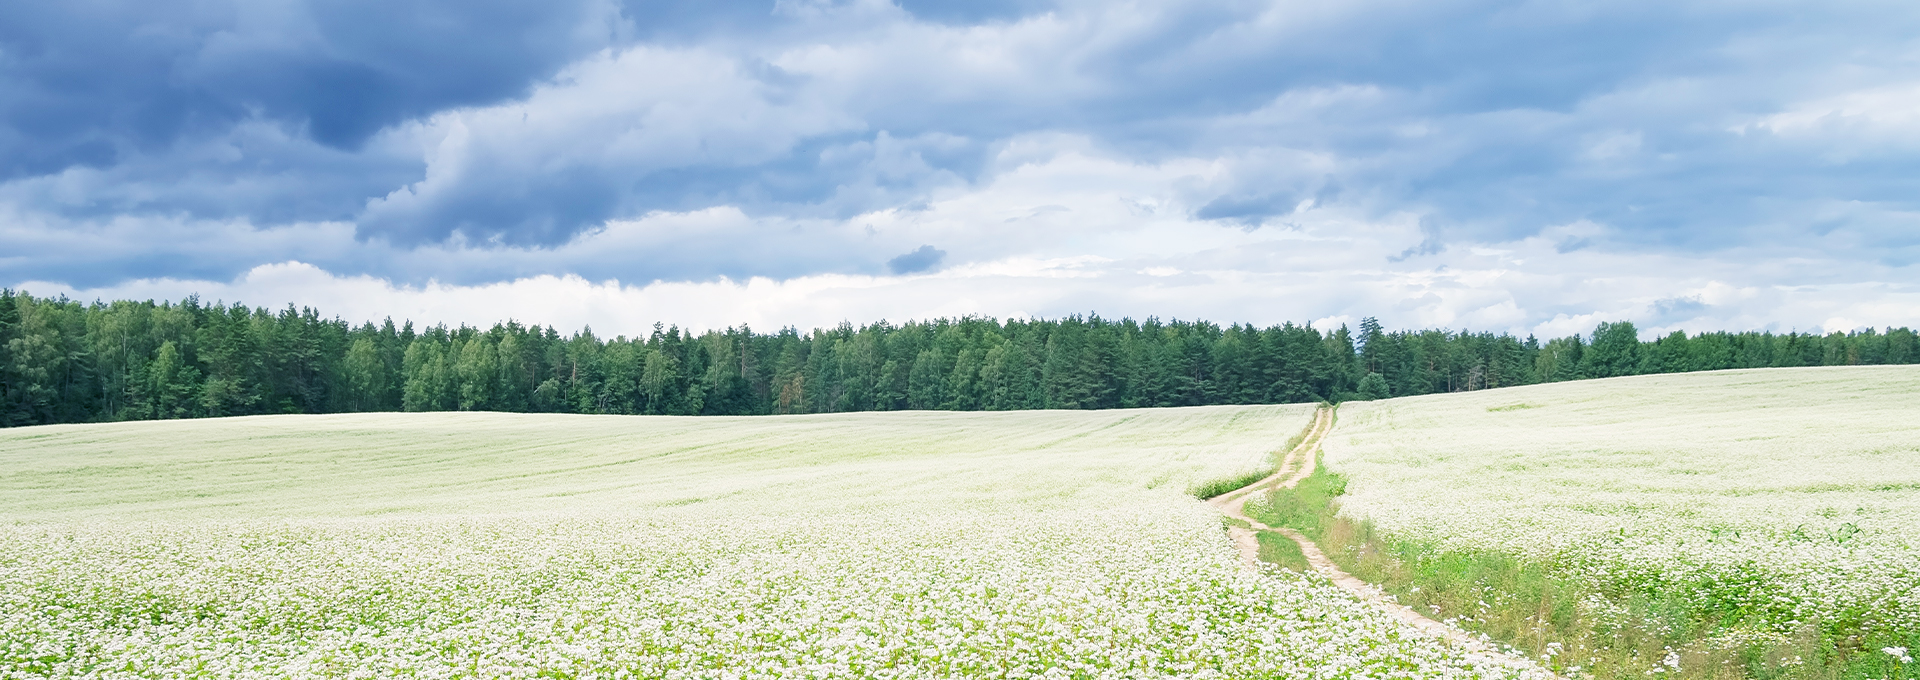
1215,487
1541,609
1305,506
1270,464
1743,518
1283,552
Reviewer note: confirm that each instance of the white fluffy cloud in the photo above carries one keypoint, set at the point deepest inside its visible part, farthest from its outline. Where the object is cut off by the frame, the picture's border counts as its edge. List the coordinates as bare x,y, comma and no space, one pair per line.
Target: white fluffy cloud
531,170
1106,243
1855,122
1460,163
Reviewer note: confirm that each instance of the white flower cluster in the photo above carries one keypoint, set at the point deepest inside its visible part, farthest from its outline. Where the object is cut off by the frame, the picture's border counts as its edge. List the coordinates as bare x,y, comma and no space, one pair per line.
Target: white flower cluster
1145,588
885,546
1779,496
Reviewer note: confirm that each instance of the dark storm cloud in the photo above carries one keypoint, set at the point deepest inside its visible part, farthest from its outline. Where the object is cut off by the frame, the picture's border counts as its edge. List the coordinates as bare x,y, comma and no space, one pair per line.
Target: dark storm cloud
523,126
924,258
254,110
963,13
88,80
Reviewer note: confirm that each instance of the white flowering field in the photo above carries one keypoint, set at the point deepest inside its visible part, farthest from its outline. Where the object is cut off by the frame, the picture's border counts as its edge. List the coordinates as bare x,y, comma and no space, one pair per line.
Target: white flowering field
876,545
1777,497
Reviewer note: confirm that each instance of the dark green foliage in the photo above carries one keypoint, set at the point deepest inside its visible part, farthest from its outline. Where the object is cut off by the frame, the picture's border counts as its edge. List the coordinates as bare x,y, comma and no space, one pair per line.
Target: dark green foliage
1282,551
1373,387
1615,351
1303,507
1223,485
64,361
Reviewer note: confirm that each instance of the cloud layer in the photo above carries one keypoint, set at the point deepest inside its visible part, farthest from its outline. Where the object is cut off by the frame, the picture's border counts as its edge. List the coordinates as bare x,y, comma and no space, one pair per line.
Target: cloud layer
1501,165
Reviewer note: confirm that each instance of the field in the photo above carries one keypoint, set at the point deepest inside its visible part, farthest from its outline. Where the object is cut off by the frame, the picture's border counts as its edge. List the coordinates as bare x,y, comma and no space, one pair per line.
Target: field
1025,544
1754,508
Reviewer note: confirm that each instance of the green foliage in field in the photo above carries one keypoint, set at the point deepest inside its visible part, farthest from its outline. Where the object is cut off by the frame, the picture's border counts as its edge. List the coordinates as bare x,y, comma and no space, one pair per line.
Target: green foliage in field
1303,507
1218,485
1568,623
1281,551
1760,523
1211,488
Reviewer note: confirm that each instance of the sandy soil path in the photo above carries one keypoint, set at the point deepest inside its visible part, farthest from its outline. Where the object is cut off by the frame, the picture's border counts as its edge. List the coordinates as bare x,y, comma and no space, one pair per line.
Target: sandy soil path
1296,466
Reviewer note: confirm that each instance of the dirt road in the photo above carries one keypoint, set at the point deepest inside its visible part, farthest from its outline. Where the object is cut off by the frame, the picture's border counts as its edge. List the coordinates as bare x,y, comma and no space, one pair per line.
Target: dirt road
1296,466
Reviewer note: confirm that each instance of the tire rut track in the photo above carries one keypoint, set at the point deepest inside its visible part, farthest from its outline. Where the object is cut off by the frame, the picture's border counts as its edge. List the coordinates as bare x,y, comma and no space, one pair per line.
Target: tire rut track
1296,466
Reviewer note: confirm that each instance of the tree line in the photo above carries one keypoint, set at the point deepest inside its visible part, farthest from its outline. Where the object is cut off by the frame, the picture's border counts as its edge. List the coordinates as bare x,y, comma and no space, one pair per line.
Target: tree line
62,361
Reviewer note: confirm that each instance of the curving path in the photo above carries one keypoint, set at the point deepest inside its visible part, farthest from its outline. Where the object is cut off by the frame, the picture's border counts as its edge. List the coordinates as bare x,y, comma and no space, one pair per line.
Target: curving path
1296,466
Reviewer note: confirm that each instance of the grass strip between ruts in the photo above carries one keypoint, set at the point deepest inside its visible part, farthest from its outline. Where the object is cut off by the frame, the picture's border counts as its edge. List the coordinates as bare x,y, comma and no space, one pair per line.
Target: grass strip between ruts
1215,487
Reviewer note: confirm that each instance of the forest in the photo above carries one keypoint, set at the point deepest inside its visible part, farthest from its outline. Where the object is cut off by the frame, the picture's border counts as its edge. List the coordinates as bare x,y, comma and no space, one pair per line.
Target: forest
63,361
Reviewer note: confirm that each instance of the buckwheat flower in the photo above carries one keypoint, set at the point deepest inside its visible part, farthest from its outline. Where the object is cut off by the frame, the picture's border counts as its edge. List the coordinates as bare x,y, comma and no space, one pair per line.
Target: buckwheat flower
1056,573
1720,518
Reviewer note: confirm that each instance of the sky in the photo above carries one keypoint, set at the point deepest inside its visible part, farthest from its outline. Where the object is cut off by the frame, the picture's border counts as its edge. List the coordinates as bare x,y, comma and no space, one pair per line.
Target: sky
1533,167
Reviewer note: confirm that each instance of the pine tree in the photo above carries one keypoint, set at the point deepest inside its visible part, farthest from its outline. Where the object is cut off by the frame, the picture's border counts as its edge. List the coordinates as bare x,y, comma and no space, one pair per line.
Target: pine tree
1373,386
515,382
62,361
230,352
172,383
428,386
926,381
660,383
963,384
366,376
9,380
476,371
1614,351
37,365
